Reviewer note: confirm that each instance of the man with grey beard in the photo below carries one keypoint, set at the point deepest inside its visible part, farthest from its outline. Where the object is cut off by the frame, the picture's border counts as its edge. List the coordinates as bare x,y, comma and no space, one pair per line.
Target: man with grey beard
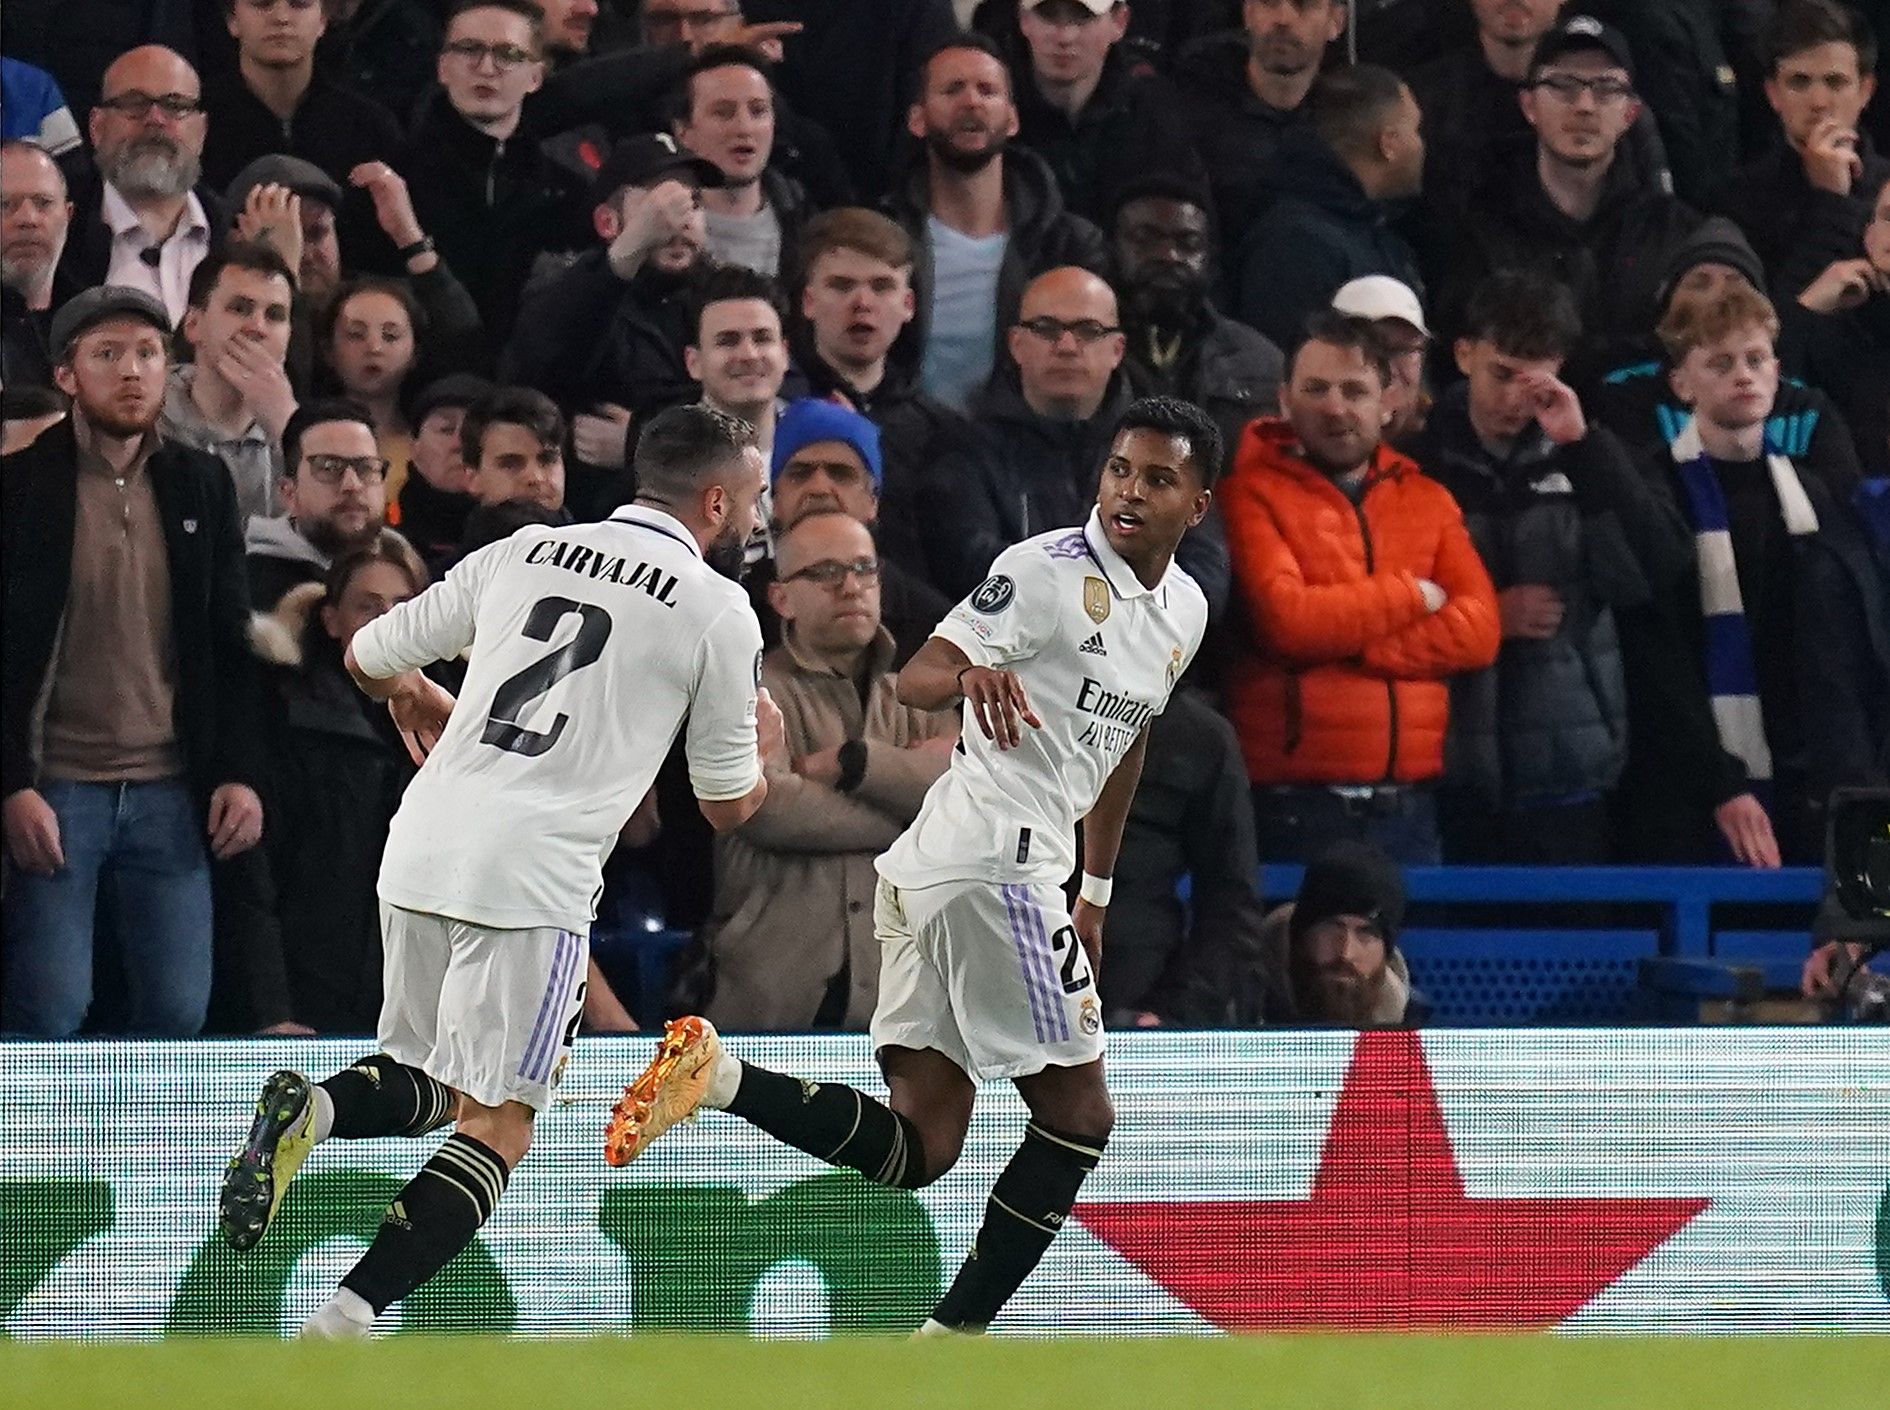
34,218
146,223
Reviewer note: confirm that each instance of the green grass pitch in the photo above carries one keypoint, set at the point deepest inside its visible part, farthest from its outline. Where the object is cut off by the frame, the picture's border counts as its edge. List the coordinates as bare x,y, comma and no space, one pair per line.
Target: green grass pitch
680,1373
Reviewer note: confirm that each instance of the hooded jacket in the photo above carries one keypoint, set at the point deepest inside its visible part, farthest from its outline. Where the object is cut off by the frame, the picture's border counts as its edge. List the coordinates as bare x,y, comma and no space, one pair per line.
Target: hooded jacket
1226,368
277,558
1548,721
1319,231
1235,133
1341,675
336,773
1613,262
1043,236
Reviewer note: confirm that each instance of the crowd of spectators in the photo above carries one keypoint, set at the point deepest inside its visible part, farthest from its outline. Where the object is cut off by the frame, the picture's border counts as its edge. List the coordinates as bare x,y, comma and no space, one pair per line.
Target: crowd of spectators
1549,343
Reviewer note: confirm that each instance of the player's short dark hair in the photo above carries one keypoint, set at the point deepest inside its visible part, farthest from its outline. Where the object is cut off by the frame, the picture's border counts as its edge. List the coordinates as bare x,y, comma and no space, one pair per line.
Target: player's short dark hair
1351,105
682,97
964,39
1805,24
252,255
1172,416
317,413
1524,315
524,9
489,523
510,406
729,282
685,448
1341,330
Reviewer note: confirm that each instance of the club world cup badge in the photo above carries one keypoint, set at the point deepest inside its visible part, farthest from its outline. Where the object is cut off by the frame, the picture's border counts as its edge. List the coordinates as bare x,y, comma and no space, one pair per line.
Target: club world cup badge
1096,600
1088,1018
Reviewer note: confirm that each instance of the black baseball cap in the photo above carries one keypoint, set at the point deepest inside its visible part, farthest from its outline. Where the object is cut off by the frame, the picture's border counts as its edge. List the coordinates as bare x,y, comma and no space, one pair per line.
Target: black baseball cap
95,305
644,160
1578,33
279,169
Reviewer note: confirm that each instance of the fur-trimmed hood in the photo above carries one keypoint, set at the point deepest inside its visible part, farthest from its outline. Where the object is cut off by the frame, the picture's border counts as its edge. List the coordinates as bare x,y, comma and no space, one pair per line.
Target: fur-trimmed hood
276,636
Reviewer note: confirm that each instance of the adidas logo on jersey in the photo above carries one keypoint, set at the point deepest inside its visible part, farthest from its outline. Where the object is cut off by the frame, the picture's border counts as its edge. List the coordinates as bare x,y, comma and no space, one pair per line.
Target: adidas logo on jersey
1094,646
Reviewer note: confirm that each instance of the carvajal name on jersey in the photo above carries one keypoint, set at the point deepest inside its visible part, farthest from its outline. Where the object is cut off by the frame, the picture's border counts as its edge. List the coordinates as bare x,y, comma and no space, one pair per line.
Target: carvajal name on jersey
605,568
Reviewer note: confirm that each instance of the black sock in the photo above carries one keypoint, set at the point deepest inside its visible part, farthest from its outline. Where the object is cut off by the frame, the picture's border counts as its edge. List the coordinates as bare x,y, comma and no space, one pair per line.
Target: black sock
381,1097
838,1124
430,1220
1031,1200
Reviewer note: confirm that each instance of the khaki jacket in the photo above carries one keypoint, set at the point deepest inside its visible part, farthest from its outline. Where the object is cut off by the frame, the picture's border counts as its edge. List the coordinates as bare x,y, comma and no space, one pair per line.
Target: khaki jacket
794,885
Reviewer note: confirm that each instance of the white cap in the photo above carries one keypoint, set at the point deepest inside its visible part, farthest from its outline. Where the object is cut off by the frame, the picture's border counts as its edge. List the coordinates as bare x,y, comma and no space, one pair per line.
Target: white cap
1380,296
1095,7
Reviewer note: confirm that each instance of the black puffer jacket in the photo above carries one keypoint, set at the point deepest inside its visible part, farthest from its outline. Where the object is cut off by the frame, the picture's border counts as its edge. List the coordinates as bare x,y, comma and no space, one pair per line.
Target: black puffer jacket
1043,236
1549,719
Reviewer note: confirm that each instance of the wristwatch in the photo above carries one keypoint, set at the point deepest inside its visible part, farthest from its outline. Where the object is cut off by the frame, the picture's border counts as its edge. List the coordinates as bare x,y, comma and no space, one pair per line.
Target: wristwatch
423,246
852,757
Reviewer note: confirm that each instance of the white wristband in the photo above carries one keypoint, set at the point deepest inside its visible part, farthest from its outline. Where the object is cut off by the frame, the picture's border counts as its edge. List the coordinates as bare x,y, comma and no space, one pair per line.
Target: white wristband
1095,889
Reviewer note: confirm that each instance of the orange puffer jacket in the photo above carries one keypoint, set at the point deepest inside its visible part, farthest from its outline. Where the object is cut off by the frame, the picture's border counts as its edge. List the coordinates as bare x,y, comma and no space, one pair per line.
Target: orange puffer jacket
1342,676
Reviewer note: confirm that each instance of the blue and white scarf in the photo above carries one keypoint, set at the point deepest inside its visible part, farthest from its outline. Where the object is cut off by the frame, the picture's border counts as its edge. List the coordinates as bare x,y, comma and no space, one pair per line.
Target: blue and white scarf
1732,677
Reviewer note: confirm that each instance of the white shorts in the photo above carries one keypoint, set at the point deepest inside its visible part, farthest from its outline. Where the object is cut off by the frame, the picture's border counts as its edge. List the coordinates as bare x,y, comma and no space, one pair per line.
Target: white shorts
992,976
490,1013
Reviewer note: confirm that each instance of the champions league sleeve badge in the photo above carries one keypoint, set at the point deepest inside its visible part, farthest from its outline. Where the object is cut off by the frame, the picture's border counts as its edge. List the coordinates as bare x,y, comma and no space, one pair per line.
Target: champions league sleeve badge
993,595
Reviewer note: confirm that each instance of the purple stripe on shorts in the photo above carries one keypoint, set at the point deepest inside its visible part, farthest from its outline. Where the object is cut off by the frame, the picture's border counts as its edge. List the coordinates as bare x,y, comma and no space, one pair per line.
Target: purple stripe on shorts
544,1007
1020,934
1047,956
554,1036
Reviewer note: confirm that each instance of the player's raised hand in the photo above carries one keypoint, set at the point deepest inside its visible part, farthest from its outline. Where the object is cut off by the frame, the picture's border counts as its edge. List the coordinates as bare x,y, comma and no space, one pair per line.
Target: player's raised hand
998,703
420,709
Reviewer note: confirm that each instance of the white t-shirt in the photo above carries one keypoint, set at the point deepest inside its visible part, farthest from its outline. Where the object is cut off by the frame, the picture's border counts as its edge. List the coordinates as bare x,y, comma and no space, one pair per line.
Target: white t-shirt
589,646
1098,655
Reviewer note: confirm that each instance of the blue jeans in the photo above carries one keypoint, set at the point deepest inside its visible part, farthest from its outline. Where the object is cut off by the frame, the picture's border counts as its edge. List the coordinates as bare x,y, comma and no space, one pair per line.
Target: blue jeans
1296,824
146,842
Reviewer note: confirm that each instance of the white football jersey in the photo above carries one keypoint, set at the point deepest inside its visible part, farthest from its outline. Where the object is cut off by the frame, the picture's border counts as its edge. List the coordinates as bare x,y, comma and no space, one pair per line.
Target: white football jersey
589,646
1098,655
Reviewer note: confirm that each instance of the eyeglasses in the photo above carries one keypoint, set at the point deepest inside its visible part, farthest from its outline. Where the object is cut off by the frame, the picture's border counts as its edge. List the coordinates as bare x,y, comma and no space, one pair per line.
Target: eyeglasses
372,469
675,21
1051,330
503,56
137,103
1568,87
831,574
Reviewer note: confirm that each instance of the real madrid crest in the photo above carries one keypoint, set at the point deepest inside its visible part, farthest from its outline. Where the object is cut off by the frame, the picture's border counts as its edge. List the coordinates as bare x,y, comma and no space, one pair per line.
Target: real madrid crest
1096,600
1174,666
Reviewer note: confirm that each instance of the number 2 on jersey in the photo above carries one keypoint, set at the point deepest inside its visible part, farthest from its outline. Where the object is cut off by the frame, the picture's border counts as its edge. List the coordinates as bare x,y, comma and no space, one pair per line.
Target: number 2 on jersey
515,697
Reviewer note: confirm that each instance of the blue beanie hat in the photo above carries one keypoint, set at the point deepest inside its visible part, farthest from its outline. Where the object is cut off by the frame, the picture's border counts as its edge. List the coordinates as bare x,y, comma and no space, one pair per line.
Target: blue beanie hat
809,421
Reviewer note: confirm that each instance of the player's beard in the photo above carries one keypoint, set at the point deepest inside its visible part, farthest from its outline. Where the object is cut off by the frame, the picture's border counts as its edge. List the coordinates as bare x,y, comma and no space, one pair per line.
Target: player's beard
727,553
